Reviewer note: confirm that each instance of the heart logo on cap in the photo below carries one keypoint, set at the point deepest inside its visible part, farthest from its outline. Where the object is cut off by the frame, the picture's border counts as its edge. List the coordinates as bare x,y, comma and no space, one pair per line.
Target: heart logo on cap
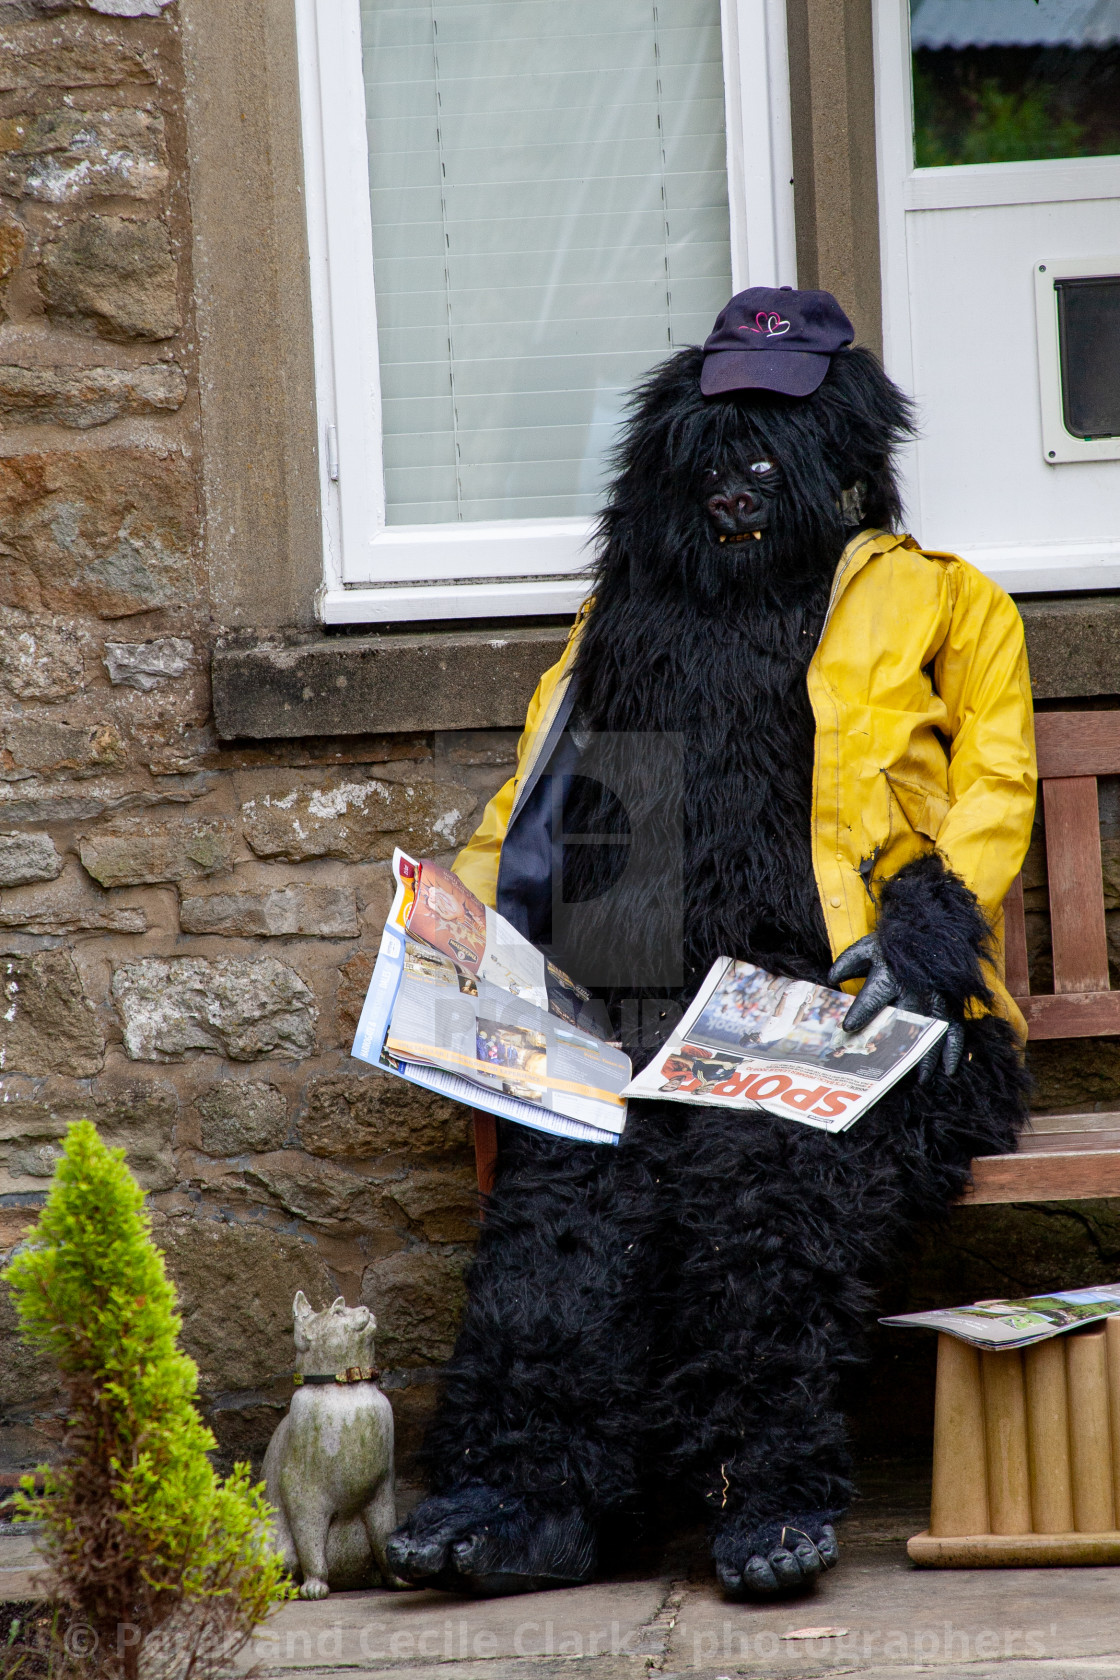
770,324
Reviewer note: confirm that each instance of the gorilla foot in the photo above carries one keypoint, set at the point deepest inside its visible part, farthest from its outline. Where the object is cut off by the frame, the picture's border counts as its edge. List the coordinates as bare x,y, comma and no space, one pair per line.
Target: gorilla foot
775,1559
477,1540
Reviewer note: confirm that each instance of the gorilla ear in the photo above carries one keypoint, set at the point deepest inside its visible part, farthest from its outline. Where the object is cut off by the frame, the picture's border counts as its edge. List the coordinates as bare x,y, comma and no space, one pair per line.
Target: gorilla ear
851,503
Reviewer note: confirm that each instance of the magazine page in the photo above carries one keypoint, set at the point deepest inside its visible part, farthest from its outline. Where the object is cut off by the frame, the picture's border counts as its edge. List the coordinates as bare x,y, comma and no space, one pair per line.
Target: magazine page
1016,1324
484,1041
446,915
373,1022
756,1040
505,1042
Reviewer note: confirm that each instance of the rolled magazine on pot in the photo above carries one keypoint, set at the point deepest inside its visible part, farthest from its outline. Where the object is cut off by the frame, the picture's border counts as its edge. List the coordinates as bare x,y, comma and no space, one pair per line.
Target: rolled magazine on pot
754,1040
1022,1322
461,1004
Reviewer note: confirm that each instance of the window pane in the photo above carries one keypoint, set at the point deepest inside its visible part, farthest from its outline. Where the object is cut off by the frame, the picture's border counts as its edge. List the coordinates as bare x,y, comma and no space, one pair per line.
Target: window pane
997,81
549,219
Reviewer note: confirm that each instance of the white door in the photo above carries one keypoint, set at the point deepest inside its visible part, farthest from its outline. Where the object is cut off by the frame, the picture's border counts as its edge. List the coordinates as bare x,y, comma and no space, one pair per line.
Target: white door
999,161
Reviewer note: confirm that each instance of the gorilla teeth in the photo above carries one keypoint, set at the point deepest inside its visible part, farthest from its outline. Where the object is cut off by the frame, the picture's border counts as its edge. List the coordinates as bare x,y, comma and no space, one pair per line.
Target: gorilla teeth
757,535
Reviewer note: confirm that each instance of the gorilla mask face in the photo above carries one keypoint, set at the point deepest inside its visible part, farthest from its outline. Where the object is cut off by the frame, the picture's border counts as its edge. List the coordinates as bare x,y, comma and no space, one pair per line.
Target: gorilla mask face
716,498
744,499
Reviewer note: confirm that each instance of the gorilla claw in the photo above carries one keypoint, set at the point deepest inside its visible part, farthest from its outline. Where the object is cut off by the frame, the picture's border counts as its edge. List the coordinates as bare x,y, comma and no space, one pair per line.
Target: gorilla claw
477,1540
776,1560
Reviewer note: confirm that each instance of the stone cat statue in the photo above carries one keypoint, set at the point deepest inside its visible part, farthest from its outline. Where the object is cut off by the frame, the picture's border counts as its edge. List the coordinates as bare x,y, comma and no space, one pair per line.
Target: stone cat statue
328,1470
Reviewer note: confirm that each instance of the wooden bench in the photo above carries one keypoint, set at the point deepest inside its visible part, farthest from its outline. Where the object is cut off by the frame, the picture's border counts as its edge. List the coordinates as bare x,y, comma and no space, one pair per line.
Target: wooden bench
1069,1157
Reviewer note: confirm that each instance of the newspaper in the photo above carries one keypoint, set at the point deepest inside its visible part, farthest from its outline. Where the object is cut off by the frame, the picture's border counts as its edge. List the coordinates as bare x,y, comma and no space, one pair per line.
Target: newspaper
461,1004
754,1040
1019,1323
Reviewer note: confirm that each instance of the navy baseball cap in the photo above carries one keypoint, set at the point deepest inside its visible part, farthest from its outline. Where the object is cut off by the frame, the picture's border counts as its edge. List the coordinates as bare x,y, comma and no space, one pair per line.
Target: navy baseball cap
774,339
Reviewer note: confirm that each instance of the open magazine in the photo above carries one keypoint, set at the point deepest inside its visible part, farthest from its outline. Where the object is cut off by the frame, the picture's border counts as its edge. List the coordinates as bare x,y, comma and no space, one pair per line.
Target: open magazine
460,1003
1021,1323
753,1040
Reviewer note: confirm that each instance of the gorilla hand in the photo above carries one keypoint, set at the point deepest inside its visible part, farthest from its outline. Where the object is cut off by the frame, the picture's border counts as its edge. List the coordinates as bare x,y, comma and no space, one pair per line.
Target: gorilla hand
928,954
866,957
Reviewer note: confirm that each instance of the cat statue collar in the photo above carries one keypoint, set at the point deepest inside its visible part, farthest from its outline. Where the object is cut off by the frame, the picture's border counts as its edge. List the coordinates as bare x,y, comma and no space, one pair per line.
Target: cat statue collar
351,1374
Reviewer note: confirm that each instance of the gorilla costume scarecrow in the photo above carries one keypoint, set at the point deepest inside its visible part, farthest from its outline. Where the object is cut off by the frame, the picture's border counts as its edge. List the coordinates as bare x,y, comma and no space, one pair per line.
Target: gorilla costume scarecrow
851,722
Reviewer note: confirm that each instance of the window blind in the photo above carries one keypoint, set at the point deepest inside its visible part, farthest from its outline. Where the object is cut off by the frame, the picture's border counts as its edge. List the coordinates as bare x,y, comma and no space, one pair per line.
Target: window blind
549,197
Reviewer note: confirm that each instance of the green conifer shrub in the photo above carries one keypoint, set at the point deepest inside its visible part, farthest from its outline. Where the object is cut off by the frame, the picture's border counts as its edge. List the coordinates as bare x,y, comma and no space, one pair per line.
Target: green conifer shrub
141,1537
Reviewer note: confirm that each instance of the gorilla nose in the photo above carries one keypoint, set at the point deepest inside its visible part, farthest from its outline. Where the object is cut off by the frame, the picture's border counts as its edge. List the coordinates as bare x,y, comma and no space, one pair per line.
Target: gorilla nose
735,511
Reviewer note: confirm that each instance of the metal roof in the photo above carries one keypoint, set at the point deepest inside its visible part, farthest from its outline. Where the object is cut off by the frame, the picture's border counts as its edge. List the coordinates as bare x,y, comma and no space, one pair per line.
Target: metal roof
1015,23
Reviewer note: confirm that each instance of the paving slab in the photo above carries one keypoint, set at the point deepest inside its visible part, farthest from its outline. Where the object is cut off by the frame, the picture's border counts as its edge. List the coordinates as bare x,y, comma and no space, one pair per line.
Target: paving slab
878,1613
876,1617
20,1563
382,1630
19,1585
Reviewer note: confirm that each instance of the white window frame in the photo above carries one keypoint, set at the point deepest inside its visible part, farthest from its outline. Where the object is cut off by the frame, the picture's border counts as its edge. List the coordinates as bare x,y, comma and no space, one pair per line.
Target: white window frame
499,568
1020,567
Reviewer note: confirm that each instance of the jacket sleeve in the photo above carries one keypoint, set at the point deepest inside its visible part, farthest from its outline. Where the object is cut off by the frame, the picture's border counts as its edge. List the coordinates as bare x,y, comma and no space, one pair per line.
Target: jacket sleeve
477,863
981,674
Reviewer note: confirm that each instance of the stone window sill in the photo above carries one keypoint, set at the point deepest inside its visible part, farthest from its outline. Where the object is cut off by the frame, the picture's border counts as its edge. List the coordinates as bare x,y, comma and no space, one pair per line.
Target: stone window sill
269,687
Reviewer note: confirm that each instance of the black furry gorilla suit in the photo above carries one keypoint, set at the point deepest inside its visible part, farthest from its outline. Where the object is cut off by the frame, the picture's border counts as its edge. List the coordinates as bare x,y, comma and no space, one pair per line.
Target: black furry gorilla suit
677,1311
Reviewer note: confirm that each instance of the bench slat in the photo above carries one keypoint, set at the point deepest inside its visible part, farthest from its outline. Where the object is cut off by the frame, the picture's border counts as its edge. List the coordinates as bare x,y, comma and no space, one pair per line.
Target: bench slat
1077,743
1071,1014
1090,1120
1016,973
1073,861
1067,1143
1049,1177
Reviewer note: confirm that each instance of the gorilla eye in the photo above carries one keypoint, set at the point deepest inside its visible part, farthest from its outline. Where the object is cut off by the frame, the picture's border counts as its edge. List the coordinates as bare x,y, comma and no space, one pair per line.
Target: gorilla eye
762,466
710,472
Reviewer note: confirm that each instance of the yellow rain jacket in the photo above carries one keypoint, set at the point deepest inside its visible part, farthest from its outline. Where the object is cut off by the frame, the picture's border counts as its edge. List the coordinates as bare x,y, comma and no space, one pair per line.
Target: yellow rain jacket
924,738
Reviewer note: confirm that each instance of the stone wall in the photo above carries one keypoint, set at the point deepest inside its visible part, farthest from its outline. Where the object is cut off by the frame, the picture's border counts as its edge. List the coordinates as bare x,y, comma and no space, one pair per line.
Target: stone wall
186,928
